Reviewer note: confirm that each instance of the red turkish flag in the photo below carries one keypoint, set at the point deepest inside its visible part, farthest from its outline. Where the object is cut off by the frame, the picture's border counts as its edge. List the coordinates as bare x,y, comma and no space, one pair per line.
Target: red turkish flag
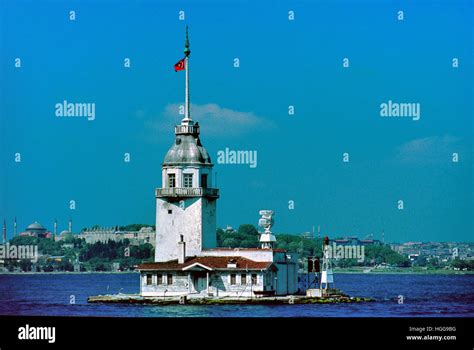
180,65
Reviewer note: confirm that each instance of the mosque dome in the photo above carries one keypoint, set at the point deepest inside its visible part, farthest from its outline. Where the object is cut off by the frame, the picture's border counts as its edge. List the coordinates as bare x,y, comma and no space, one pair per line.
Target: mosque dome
35,226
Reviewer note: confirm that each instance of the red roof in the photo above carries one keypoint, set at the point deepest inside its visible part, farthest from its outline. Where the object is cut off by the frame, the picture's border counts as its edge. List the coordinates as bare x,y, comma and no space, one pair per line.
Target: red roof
211,263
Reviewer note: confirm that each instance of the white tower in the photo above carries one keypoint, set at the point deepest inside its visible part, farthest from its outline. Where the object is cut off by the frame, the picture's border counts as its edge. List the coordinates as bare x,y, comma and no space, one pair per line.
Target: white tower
70,225
186,201
327,278
14,228
267,238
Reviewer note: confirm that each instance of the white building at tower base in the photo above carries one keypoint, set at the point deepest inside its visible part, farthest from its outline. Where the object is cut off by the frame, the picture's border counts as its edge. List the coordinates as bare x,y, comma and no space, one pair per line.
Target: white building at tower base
239,272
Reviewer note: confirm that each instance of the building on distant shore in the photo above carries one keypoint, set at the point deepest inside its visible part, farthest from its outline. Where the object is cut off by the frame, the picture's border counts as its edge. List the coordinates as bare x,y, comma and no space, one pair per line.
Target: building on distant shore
105,234
353,241
229,229
443,251
36,230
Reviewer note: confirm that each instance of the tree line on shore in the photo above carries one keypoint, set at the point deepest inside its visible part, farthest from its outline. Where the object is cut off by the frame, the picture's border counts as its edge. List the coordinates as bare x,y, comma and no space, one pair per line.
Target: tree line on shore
120,255
246,236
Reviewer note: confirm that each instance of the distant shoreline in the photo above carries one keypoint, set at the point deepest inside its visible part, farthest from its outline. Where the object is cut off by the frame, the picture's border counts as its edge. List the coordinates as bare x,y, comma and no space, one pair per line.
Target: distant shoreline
400,271
336,271
69,273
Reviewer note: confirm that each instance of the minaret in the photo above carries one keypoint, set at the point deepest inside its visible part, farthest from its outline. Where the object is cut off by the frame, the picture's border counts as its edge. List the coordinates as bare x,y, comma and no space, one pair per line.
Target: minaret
55,231
14,228
70,225
186,201
4,231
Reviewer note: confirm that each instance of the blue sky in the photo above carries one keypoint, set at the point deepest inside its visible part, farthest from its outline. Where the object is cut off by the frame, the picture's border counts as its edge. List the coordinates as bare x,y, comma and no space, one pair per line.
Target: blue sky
282,63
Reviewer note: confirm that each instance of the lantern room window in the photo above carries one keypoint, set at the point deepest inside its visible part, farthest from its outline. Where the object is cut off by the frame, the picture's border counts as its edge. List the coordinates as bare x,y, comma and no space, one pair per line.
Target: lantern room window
171,180
188,180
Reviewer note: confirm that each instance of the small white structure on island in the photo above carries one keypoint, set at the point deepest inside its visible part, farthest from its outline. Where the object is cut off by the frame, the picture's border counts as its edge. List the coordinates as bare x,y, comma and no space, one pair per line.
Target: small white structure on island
327,278
187,259
267,238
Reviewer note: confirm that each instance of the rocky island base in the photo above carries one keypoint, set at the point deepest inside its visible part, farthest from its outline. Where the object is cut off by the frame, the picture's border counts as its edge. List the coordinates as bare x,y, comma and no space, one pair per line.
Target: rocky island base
189,300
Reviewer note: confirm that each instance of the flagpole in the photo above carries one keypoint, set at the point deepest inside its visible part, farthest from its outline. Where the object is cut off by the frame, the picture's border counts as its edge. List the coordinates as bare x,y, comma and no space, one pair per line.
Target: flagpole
187,51
186,103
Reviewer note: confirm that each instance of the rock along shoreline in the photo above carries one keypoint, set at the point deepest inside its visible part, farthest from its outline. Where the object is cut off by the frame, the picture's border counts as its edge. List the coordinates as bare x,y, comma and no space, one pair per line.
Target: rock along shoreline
284,300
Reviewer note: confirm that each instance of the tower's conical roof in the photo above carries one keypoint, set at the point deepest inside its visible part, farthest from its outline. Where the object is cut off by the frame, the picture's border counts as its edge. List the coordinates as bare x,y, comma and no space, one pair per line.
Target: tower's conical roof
187,149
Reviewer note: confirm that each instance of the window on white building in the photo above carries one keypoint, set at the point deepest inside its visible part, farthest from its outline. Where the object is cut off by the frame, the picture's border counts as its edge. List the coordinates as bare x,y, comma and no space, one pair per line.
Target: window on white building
188,180
149,279
159,279
169,278
232,279
243,278
171,180
254,278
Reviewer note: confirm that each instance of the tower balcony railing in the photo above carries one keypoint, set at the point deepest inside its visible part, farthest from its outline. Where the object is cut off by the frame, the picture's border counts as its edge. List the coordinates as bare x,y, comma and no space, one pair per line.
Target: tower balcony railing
186,129
180,192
